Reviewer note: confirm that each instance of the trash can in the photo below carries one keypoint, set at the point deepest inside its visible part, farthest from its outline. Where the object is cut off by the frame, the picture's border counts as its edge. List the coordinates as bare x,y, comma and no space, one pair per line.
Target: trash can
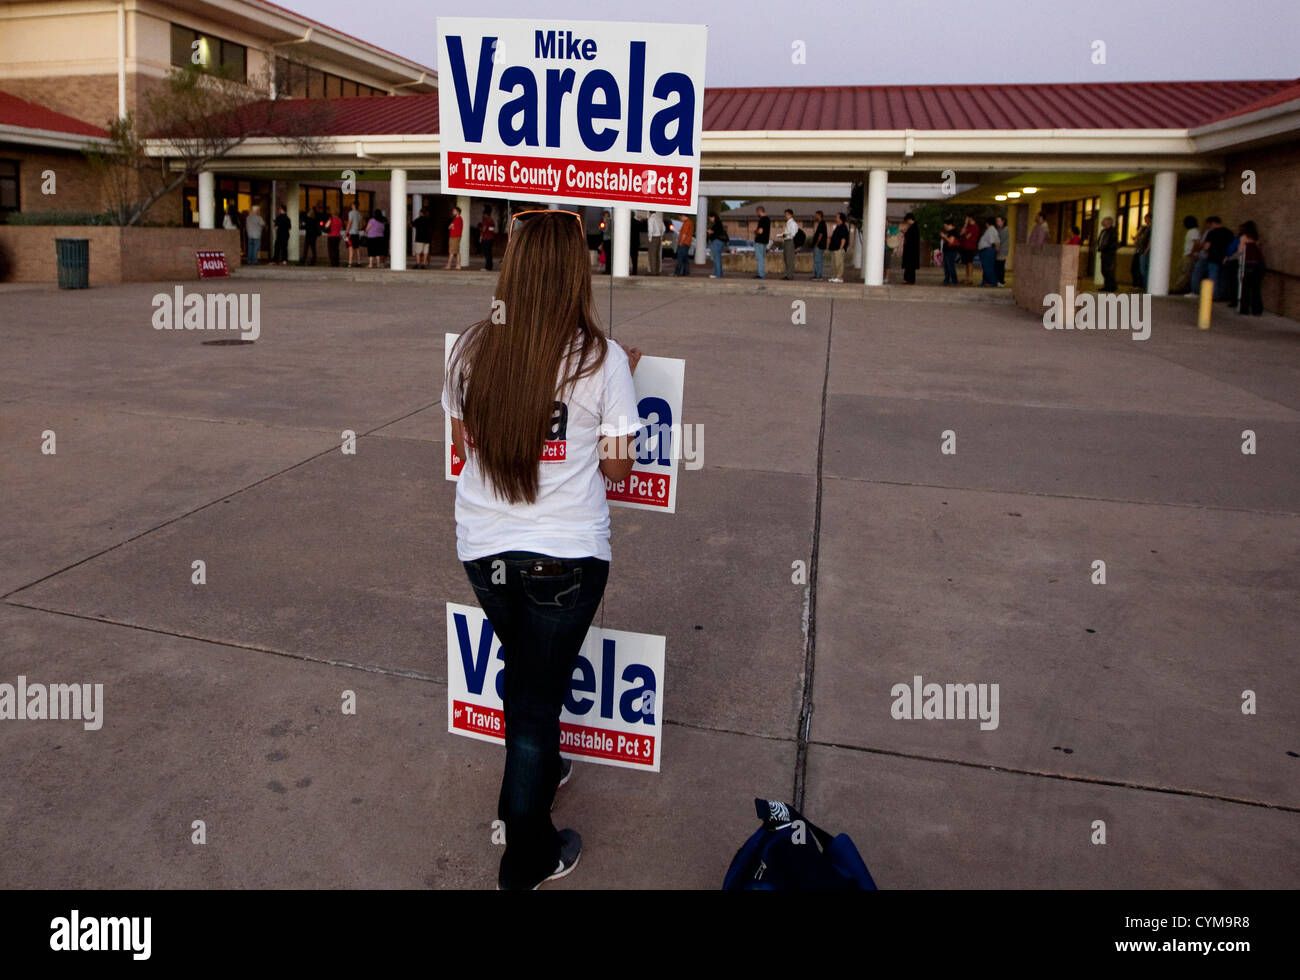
73,256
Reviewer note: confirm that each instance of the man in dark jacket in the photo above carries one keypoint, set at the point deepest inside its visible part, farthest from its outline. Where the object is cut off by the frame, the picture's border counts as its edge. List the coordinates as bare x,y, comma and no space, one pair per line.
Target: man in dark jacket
839,246
820,240
1107,245
761,237
911,248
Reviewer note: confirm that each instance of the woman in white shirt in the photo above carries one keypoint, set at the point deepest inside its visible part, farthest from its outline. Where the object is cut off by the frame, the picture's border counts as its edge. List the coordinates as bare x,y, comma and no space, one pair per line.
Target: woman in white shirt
542,409
1191,239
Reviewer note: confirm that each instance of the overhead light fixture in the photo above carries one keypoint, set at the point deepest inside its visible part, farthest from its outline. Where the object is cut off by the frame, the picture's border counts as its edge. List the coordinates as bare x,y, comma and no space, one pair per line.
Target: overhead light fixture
1031,190
1013,194
999,197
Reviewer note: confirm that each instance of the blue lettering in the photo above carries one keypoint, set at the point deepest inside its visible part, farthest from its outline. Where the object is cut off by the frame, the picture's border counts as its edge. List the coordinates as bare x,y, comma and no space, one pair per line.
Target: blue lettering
659,416
472,111
631,714
543,44
635,97
607,679
525,104
558,84
475,665
588,111
683,113
585,684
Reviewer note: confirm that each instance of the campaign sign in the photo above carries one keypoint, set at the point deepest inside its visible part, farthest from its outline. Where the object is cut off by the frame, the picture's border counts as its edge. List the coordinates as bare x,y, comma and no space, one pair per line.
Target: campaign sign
212,265
613,713
587,112
652,484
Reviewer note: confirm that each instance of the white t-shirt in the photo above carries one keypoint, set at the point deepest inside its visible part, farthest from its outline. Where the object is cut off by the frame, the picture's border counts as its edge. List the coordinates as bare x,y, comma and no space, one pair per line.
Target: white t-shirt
791,228
1190,239
655,225
570,517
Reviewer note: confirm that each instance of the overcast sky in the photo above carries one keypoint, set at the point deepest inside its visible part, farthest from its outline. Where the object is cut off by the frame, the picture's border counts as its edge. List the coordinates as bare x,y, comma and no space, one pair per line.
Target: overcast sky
870,42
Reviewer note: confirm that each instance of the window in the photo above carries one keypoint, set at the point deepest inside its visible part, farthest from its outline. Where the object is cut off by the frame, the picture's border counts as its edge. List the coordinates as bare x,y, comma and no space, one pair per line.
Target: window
1132,208
213,53
8,185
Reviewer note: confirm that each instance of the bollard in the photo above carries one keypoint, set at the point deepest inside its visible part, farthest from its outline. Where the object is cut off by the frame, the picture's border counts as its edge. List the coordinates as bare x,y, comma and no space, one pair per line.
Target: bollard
1207,304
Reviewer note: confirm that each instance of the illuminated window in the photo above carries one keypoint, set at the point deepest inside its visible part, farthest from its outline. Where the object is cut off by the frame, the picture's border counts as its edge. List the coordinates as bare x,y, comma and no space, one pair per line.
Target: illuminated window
214,53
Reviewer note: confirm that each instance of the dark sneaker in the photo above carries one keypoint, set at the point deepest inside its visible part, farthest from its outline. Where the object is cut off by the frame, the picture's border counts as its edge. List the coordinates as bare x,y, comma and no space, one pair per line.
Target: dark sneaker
570,851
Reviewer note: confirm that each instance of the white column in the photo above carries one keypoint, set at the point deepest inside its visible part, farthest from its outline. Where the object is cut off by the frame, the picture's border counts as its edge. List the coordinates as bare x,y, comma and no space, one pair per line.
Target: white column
291,194
463,203
855,235
621,241
397,220
207,202
701,228
1106,201
1162,232
873,254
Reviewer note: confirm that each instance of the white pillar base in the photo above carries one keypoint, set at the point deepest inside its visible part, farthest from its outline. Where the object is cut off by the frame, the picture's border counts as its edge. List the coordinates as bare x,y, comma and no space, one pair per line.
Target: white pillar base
397,220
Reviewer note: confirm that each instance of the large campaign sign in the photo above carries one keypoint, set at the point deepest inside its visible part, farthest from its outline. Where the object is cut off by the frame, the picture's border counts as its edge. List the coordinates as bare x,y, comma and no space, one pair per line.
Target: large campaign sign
652,484
613,713
571,111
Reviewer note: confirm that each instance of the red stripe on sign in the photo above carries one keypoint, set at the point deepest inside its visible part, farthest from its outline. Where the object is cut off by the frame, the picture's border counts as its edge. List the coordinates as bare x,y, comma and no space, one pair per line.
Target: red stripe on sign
478,719
554,451
641,487
510,175
600,743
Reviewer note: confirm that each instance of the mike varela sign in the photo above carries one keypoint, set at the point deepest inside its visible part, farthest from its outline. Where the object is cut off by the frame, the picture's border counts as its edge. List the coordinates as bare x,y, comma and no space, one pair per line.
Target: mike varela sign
613,713
658,446
571,111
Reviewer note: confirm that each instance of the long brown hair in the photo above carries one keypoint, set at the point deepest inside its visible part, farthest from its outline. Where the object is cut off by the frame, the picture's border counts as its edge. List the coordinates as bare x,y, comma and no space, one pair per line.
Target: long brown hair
506,373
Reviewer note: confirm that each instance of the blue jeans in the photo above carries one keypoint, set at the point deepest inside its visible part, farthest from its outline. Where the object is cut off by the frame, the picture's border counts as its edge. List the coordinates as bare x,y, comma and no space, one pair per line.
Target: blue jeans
541,612
683,266
1205,269
988,256
254,246
817,263
715,247
950,257
760,256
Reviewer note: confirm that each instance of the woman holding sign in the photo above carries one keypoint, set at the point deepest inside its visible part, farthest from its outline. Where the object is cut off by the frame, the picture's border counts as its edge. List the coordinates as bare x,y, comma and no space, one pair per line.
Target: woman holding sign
542,409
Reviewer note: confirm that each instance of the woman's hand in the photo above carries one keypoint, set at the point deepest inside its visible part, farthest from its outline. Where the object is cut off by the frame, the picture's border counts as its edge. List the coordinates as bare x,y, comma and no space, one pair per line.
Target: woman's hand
633,356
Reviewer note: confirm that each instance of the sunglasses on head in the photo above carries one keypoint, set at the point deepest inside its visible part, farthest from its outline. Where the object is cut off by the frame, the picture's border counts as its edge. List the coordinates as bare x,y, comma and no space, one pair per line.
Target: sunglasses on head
523,216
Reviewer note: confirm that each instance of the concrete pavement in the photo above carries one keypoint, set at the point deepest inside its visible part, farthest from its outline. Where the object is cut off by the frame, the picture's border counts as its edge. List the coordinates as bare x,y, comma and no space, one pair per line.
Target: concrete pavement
1118,702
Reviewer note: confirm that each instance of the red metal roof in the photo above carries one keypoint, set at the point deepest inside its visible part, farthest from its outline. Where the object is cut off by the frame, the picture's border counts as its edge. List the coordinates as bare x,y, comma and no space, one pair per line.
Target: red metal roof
19,112
1286,94
1097,105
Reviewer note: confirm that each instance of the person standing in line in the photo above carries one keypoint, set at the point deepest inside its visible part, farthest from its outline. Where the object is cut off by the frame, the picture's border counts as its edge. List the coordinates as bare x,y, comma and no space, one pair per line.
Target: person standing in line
1214,245
333,235
1142,249
1038,234
790,230
487,235
1107,245
950,246
911,248
893,242
455,229
1075,236
1004,248
256,225
374,240
1191,238
820,240
1251,270
353,232
762,234
839,245
988,253
635,226
280,255
685,233
717,239
970,236
532,527
312,222
655,246
422,233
